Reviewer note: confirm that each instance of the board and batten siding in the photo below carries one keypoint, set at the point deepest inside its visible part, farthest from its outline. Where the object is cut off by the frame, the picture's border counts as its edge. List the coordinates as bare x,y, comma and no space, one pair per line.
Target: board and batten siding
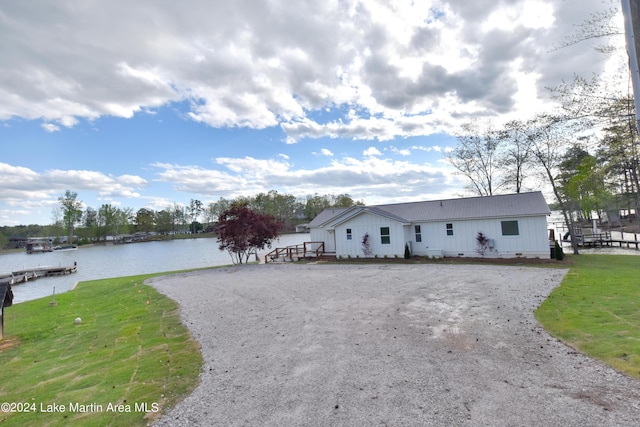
531,241
369,223
323,235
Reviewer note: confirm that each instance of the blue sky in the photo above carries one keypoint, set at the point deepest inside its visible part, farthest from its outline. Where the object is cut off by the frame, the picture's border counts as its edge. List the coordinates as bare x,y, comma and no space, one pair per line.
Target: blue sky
152,103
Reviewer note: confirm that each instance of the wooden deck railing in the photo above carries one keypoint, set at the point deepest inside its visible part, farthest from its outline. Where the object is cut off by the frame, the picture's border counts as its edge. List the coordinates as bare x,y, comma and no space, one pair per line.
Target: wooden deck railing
593,238
296,252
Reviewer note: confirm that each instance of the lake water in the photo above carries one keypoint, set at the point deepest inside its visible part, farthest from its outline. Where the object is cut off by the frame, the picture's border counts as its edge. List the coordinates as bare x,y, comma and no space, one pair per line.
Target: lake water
101,262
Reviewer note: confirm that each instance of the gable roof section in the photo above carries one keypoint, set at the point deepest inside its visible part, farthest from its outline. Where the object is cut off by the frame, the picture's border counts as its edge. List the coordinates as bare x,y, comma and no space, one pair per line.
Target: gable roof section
506,205
326,216
501,206
358,210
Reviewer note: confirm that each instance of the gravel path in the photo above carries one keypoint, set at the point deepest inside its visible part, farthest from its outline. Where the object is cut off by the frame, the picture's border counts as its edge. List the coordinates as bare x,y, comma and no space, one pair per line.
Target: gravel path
351,345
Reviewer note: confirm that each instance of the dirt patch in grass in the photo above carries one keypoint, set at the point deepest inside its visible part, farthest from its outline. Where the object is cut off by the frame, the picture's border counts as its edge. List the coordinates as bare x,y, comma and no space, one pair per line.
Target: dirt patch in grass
8,343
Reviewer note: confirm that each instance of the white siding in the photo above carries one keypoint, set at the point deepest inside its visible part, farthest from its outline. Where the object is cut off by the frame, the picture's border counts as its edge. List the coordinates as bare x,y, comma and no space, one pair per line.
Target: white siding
371,224
323,235
532,240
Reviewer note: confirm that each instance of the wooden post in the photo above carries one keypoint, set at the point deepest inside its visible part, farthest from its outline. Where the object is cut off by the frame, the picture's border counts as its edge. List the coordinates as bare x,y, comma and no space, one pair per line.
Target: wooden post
6,298
2,294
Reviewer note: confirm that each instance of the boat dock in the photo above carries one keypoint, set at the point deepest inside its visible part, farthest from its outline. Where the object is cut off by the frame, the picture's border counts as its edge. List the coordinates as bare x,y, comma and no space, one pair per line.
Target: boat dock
21,276
587,238
595,240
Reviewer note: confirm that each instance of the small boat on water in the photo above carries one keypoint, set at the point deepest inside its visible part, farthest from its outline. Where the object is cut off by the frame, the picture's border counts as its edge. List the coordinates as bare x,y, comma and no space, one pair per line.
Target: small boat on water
65,248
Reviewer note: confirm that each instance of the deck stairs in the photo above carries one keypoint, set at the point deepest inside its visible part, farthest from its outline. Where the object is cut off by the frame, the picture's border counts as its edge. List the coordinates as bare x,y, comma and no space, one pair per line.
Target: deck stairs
306,250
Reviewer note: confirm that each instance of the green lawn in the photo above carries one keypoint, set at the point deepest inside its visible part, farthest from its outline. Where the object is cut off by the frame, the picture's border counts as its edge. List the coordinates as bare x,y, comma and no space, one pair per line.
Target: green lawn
126,362
596,310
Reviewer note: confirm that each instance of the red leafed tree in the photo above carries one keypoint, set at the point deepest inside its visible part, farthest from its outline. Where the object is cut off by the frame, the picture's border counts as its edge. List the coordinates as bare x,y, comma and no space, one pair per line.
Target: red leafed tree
242,232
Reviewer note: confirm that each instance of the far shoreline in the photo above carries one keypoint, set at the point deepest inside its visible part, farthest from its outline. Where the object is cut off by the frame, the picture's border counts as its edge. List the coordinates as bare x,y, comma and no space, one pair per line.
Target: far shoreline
157,238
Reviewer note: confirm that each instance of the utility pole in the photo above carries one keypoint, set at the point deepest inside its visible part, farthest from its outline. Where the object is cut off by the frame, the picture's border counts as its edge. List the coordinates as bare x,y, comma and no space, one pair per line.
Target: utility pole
631,13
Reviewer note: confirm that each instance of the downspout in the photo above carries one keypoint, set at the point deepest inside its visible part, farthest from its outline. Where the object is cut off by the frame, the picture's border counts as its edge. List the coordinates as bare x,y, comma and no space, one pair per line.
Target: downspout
630,11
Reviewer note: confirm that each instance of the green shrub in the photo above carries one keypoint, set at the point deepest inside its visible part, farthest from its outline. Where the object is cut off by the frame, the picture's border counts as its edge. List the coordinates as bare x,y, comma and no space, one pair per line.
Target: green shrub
558,252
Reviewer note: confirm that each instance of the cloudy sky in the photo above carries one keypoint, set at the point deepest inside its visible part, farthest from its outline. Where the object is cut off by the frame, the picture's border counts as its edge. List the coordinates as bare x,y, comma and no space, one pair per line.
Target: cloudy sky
154,102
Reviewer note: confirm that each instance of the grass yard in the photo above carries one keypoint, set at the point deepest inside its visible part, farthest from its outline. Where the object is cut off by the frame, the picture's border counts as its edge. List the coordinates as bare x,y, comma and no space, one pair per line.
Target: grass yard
596,310
124,364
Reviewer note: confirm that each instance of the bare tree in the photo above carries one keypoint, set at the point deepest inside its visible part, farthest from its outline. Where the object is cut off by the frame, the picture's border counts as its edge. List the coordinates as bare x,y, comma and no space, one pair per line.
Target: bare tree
600,25
476,158
516,154
549,136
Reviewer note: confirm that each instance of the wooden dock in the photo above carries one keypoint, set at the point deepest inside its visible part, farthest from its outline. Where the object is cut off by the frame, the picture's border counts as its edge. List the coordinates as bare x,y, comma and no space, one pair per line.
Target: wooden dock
21,276
608,238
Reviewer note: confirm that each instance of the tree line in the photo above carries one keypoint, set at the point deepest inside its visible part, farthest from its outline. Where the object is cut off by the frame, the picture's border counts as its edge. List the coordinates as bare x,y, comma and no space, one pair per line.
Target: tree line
72,218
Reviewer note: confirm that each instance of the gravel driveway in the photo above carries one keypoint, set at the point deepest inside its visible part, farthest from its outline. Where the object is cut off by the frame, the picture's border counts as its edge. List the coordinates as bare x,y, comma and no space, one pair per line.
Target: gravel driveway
400,345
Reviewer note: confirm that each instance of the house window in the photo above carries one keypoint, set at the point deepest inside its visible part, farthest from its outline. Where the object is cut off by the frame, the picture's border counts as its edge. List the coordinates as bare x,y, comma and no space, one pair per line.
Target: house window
385,236
510,228
349,234
418,234
449,229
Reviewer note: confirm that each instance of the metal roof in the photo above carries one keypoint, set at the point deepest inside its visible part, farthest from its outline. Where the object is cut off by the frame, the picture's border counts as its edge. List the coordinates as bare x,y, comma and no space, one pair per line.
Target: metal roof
500,206
326,215
506,205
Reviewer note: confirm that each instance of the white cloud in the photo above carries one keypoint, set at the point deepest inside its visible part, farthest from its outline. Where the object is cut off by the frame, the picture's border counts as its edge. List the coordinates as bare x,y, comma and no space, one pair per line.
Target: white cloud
50,127
195,179
528,14
371,152
255,167
370,178
402,68
400,151
19,184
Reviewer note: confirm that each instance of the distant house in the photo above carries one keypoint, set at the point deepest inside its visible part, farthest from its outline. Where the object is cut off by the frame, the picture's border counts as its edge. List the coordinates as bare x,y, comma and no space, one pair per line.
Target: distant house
39,244
299,214
515,225
17,242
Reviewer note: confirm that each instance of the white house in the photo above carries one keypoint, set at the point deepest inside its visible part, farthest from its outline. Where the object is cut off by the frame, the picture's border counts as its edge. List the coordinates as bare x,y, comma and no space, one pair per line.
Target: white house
515,225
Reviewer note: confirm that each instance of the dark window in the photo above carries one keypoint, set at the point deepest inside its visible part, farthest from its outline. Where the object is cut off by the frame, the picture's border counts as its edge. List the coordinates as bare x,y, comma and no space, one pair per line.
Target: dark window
349,234
385,237
510,228
418,234
449,229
